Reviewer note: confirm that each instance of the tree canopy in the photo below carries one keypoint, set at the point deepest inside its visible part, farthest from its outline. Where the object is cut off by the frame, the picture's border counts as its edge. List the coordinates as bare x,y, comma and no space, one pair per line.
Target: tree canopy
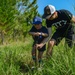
16,15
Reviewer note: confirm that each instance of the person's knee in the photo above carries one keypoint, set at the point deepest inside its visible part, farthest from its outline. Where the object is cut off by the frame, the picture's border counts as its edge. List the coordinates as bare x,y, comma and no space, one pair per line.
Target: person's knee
51,43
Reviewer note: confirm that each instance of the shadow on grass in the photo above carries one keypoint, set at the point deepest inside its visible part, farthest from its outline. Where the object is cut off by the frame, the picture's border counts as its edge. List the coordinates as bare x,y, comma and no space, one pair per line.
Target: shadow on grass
25,68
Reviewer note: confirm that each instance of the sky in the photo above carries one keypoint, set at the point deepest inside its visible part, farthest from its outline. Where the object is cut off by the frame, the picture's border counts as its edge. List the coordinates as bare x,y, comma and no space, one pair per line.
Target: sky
59,4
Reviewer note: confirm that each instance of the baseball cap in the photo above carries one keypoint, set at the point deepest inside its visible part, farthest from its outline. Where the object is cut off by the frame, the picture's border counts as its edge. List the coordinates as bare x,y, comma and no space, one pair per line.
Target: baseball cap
37,20
48,11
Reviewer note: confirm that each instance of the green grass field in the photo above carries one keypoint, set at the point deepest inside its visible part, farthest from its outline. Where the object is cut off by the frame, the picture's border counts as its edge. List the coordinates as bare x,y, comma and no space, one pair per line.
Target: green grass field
15,59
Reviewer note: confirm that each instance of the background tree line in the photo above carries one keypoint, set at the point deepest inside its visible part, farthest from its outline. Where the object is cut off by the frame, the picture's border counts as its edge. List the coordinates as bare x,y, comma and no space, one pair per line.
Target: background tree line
15,18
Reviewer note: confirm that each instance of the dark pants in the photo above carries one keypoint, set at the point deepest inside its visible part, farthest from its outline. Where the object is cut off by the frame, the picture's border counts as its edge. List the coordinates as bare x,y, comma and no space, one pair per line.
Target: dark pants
67,34
41,49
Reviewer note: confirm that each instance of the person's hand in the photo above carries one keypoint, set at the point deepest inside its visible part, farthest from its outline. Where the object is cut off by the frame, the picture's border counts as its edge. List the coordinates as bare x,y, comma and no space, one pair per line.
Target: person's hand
39,45
38,33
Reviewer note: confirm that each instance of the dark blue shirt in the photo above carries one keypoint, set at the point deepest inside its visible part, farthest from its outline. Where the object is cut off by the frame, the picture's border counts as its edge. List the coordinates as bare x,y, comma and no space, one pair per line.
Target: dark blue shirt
62,22
39,39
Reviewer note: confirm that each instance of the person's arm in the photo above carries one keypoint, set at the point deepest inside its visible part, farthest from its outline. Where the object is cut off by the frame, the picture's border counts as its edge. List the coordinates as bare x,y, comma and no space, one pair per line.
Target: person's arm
38,33
73,19
44,34
48,38
33,33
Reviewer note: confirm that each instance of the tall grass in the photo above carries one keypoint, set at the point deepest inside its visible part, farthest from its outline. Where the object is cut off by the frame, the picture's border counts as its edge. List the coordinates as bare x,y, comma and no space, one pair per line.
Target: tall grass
62,62
15,59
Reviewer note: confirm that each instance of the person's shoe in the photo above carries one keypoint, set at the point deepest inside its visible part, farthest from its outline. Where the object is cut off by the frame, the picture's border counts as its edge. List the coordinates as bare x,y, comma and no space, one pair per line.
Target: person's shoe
40,68
32,68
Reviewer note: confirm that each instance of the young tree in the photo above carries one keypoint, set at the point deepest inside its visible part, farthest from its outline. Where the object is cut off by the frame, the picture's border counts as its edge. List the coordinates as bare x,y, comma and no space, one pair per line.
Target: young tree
7,11
27,10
